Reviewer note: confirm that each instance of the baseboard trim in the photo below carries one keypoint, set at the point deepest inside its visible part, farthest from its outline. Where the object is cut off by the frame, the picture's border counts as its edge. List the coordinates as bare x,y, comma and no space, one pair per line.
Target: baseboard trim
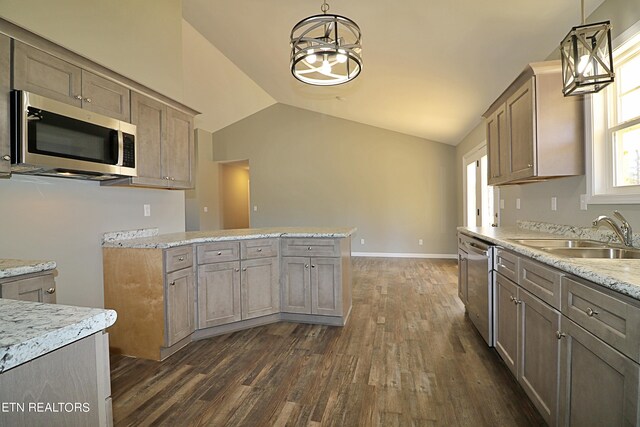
403,255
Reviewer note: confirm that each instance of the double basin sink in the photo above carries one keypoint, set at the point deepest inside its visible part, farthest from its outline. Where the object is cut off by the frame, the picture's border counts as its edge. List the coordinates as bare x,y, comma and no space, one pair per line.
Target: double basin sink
579,248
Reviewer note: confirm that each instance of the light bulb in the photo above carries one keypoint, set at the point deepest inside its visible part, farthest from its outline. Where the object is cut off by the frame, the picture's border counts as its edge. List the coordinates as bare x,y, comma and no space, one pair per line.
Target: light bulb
326,67
311,58
341,58
584,65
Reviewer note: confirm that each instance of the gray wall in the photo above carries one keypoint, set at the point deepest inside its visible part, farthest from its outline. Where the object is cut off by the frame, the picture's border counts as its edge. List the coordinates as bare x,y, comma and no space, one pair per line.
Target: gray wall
316,170
61,219
206,194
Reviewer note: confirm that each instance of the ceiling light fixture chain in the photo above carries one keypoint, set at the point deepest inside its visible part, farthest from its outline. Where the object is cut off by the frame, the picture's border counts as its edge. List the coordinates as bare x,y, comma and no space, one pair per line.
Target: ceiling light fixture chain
326,49
587,57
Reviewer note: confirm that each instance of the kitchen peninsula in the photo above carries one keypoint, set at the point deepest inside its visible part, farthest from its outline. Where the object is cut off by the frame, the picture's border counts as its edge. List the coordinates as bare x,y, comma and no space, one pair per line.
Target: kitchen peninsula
171,289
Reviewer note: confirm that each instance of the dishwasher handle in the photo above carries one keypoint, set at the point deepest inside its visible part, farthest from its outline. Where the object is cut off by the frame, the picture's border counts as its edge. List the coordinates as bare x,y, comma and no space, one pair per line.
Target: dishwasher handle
477,248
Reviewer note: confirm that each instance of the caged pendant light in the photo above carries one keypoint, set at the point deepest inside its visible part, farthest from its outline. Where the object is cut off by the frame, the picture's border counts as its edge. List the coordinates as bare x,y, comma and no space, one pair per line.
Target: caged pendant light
326,49
587,59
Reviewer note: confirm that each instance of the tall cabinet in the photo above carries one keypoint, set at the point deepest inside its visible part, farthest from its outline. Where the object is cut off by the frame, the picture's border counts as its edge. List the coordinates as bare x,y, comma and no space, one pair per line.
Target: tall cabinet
533,131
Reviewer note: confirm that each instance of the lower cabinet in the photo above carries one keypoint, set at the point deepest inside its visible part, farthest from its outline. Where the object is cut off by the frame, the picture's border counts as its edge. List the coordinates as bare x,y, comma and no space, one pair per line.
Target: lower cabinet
312,285
259,287
38,287
218,294
462,276
599,385
506,321
179,305
75,377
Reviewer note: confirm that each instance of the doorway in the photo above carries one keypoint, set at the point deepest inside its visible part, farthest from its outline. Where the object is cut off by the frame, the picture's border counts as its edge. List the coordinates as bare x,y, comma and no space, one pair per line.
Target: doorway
235,194
480,199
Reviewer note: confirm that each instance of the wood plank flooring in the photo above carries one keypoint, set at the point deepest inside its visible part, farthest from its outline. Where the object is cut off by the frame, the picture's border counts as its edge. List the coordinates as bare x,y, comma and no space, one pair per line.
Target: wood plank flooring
407,357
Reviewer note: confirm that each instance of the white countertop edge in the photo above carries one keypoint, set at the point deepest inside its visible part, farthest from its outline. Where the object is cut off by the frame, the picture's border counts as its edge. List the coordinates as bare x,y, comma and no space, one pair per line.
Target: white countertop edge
13,355
27,267
573,266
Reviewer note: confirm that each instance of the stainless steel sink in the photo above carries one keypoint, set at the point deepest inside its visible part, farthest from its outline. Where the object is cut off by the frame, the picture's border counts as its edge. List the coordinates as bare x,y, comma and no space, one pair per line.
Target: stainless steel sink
602,253
560,243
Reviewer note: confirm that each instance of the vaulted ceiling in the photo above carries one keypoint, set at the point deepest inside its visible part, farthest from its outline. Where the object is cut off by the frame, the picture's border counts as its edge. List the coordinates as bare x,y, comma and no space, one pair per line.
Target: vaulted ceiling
431,68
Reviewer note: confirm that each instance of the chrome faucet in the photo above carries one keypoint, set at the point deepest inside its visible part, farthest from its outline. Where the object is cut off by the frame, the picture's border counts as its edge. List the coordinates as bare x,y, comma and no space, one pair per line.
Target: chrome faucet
623,231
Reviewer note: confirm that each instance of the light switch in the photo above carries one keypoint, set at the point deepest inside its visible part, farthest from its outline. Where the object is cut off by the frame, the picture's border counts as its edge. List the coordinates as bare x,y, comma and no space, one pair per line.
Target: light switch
206,208
518,203
362,241
147,210
420,242
255,208
554,203
583,202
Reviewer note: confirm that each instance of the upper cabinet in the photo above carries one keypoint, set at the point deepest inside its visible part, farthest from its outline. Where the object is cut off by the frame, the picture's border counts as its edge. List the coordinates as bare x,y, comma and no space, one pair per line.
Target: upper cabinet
533,131
43,74
5,77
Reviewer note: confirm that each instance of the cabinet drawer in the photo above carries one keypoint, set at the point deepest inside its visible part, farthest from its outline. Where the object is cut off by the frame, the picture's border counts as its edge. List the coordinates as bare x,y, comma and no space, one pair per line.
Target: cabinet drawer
178,258
311,247
259,248
541,281
507,264
218,252
614,321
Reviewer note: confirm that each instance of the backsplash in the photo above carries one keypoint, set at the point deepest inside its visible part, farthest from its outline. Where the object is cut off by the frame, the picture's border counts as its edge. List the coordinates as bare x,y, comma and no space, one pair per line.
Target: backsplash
591,233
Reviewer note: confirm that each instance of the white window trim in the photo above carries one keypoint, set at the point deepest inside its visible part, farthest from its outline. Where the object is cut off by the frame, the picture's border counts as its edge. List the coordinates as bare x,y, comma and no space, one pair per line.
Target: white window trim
599,172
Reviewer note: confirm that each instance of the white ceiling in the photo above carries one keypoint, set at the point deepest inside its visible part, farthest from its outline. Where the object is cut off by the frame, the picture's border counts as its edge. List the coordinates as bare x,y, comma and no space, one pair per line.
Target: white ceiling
431,68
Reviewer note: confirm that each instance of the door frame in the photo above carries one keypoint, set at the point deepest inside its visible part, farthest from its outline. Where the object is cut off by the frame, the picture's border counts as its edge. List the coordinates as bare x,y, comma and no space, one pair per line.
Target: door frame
473,152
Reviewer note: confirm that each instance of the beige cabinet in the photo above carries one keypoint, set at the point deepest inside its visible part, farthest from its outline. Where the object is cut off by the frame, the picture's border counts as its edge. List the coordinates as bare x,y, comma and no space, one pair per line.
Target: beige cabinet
534,132
462,276
44,74
165,146
153,292
5,84
599,385
312,286
237,281
296,285
76,374
38,287
506,322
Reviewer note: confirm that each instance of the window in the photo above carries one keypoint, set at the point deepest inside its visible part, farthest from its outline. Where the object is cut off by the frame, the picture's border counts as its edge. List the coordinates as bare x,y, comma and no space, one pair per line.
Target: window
613,163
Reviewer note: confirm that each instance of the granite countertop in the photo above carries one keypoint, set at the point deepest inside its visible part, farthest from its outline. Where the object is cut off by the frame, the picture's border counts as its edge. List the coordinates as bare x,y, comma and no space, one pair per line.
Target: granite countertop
150,239
18,267
620,275
31,329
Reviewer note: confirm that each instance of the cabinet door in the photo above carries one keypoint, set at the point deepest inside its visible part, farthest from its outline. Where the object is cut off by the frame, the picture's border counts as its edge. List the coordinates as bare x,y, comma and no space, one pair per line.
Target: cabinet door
296,285
462,276
5,75
326,286
105,97
177,149
522,131
38,72
506,322
260,287
38,289
180,300
539,354
149,116
498,146
218,294
599,385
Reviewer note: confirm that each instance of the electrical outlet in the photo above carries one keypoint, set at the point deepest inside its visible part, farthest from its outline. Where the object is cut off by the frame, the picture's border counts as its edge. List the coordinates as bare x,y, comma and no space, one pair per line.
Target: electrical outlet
518,203
554,203
583,202
420,242
362,241
206,209
255,208
147,210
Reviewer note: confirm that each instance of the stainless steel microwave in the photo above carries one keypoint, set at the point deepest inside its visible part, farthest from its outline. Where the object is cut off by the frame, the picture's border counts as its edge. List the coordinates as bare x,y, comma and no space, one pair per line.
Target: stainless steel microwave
51,138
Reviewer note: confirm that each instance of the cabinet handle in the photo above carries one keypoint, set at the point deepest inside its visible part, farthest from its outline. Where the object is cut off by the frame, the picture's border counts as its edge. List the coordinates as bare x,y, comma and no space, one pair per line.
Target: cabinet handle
237,269
219,253
51,290
259,249
181,258
173,179
517,301
590,312
559,335
511,298
6,158
78,97
87,100
309,248
244,269
172,283
306,266
529,165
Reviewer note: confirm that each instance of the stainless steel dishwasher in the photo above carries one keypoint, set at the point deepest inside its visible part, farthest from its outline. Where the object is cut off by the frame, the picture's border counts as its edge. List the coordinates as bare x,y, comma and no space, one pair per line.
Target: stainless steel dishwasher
480,286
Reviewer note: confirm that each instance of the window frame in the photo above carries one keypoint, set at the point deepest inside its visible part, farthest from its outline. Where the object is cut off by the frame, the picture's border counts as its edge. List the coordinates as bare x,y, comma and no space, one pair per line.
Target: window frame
600,169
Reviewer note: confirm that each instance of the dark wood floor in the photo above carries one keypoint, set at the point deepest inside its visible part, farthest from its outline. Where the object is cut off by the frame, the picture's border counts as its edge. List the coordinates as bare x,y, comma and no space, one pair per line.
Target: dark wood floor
408,357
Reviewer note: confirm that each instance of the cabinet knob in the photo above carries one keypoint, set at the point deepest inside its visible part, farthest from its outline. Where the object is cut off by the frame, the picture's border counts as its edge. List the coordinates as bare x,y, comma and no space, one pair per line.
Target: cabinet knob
313,266
306,266
244,269
173,179
172,283
529,165
259,249
219,252
181,258
78,97
6,158
237,269
87,100
590,312
51,290
309,248
511,298
559,335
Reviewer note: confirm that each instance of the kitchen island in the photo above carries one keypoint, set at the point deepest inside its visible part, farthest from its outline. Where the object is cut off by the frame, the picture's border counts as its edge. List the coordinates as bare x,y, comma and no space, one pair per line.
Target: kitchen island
171,289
